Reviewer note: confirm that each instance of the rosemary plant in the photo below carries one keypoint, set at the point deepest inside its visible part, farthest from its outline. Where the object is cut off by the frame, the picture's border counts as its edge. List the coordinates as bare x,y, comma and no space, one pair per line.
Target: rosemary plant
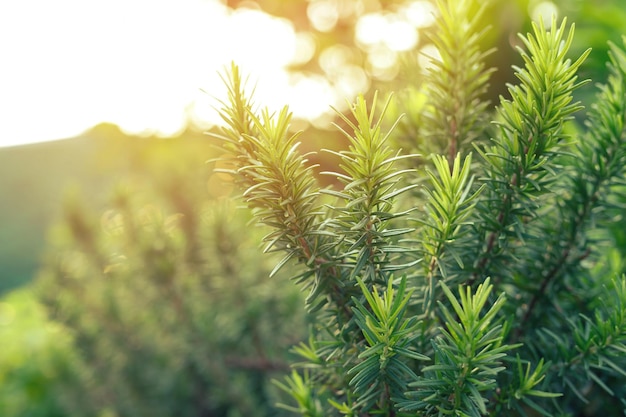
147,292
483,298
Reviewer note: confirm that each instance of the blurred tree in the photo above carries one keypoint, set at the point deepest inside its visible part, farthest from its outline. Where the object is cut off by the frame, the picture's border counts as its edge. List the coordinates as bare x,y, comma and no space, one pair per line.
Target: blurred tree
36,359
172,310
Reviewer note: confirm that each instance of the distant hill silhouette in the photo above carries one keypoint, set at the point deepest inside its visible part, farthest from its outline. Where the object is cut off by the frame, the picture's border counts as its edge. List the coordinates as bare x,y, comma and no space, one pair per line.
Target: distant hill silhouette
34,180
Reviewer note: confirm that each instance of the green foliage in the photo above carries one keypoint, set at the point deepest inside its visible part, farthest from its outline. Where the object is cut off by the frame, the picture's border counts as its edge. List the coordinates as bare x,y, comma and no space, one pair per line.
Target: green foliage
300,389
278,185
530,134
449,204
36,360
467,358
456,83
389,344
518,214
167,319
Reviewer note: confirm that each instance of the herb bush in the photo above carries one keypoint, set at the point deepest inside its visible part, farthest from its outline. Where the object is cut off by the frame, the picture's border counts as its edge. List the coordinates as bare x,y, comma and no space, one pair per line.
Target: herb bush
467,274
165,318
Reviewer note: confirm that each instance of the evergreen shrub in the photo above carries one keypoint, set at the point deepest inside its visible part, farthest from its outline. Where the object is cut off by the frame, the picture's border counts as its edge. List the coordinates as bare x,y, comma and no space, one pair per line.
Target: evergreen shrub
467,274
166,319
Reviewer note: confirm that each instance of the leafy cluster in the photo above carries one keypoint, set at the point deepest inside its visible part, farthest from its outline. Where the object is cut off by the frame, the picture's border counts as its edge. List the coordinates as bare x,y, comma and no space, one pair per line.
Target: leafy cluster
457,81
165,318
515,213
467,357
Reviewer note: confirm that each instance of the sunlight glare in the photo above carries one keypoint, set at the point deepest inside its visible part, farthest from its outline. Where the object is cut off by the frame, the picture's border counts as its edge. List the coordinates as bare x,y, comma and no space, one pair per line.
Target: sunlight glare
400,35
334,57
304,48
421,14
266,43
392,30
349,81
338,63
544,11
316,92
427,55
148,66
370,28
382,62
323,14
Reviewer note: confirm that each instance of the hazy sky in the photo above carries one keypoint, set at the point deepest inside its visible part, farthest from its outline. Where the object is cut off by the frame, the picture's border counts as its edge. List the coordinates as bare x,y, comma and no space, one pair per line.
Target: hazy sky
151,65
67,65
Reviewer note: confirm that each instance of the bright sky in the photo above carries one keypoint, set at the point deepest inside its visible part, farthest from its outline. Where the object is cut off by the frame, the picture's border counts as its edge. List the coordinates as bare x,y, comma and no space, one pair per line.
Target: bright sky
67,65
149,66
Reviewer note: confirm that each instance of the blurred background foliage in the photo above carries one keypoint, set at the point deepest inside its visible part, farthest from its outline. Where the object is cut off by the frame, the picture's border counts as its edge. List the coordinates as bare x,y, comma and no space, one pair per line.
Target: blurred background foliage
172,310
131,284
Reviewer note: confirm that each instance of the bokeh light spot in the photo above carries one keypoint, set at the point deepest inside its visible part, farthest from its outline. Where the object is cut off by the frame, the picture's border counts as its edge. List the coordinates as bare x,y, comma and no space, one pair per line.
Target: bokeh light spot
334,57
400,35
383,62
544,10
317,94
370,28
323,14
420,14
304,48
350,81
257,48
